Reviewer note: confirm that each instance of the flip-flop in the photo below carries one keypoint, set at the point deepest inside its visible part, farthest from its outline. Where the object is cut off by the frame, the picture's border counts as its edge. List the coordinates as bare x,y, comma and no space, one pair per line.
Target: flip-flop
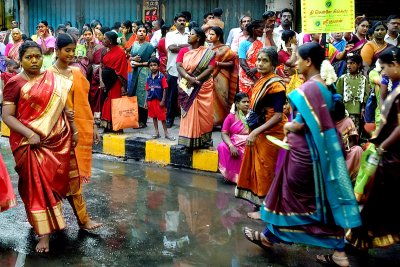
170,138
155,136
328,260
255,238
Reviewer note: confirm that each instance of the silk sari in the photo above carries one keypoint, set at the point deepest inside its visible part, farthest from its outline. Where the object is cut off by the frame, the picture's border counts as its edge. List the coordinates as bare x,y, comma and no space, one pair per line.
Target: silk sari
225,83
196,117
245,82
259,161
380,225
44,170
371,51
94,78
311,199
7,196
13,52
238,133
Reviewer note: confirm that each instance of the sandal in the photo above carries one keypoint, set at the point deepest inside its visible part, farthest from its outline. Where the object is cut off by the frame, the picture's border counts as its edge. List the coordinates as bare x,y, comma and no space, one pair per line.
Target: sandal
329,260
255,215
155,136
255,237
170,138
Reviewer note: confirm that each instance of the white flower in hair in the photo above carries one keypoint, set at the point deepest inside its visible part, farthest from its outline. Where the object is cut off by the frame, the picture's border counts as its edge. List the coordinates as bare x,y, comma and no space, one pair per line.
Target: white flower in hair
328,73
233,108
378,67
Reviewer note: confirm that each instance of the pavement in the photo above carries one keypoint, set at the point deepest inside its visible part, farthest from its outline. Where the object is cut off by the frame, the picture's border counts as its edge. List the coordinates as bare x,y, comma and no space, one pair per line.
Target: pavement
137,144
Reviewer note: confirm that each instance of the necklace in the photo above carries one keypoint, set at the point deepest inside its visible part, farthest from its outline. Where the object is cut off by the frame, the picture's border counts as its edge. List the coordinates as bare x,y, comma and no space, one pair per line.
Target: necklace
379,45
58,70
27,76
311,78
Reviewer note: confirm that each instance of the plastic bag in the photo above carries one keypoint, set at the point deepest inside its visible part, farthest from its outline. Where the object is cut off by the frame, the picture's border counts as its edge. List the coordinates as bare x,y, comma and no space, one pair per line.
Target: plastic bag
124,113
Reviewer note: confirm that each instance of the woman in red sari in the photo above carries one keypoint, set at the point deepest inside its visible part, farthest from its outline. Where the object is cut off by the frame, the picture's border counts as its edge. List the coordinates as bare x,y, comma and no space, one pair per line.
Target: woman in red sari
114,71
248,50
225,75
42,140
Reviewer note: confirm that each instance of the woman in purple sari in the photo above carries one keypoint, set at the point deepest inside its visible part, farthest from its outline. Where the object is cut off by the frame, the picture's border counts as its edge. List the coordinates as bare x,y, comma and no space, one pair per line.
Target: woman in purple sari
311,200
234,134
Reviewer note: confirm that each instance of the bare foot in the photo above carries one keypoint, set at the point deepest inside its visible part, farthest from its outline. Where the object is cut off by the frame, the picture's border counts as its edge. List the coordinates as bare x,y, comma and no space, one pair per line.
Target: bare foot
91,225
256,215
43,245
335,259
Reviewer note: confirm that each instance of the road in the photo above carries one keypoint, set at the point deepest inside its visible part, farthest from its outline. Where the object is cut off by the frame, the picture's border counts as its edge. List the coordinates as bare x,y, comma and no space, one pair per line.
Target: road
155,216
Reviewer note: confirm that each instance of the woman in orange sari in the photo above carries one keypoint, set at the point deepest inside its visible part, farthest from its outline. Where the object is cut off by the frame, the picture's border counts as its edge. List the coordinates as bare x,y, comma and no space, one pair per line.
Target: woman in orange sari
195,65
248,50
225,75
42,139
259,160
78,102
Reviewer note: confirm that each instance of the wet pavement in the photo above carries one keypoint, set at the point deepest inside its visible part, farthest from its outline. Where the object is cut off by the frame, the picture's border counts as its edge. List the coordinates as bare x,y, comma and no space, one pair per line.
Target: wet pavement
155,216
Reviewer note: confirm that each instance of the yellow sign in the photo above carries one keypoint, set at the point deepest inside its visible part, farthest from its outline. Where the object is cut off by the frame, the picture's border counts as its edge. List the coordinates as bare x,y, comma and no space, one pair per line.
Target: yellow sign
325,16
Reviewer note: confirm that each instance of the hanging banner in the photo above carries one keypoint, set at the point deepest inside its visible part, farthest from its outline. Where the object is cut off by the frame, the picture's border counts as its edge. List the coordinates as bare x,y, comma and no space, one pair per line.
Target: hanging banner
326,16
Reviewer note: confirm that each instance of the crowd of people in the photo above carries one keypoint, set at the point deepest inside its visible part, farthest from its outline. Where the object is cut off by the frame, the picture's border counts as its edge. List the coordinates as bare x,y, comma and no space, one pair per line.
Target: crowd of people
298,125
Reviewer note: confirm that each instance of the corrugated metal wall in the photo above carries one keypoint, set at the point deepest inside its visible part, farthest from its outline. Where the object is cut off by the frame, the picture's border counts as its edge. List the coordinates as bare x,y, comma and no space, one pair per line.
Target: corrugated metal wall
233,9
81,11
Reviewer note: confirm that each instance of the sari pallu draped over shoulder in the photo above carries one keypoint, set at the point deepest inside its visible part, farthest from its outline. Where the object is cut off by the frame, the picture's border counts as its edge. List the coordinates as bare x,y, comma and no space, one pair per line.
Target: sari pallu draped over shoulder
333,191
203,56
225,82
44,170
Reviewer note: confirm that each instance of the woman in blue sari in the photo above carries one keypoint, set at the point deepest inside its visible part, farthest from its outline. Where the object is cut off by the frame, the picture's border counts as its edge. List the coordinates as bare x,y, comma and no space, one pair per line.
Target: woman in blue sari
311,199
140,54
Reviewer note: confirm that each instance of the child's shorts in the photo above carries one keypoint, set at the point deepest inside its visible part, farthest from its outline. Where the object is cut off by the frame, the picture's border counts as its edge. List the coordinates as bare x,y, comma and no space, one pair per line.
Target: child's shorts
155,111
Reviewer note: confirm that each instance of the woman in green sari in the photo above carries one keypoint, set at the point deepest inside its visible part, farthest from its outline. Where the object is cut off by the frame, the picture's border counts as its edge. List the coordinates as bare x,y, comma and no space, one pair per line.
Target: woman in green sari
140,54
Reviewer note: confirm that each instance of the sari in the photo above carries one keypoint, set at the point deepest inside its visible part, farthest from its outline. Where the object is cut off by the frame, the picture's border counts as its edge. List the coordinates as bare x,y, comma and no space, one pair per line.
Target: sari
163,55
113,65
245,82
7,196
358,44
380,225
371,51
50,42
225,83
311,199
12,51
340,66
238,133
94,78
259,161
196,117
137,80
44,170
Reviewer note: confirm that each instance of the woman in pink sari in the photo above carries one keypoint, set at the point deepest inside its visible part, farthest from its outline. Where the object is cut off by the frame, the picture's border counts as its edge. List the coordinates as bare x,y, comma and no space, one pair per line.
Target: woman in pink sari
248,51
13,48
234,134
7,196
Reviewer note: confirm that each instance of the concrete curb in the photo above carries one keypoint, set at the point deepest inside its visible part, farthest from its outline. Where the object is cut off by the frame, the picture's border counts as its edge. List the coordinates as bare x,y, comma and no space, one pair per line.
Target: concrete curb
153,151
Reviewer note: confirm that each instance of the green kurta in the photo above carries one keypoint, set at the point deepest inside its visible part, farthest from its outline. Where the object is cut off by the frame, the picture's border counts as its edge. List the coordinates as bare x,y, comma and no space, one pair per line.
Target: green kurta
355,91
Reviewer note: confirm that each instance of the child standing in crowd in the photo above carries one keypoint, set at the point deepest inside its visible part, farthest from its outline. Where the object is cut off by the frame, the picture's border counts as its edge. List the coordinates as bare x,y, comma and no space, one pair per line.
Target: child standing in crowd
11,70
353,86
156,93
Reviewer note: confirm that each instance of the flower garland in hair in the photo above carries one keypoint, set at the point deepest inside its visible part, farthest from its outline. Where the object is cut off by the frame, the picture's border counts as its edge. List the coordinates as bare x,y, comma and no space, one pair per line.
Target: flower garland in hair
328,73
348,93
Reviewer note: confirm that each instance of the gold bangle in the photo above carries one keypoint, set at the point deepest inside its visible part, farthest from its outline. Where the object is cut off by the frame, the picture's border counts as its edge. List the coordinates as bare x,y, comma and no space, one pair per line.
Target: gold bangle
75,133
33,133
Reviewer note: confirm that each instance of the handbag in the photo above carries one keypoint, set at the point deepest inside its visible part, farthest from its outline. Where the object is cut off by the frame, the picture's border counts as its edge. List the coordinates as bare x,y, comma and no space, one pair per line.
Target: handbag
124,113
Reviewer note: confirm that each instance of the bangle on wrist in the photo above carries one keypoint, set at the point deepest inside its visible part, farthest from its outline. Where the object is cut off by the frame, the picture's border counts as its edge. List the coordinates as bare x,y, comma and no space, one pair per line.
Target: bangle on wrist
230,145
75,133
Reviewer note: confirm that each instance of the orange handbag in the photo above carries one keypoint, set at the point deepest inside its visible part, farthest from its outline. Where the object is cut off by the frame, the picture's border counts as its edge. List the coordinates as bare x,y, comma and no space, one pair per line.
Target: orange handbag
124,113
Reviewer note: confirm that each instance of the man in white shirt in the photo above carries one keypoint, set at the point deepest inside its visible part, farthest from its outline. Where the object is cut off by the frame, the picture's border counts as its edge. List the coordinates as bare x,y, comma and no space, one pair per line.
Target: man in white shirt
286,24
393,36
157,32
174,42
244,22
236,31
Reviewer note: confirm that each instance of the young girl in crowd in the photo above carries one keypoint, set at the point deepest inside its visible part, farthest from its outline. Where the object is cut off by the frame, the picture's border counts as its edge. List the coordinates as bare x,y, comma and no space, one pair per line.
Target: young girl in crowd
353,86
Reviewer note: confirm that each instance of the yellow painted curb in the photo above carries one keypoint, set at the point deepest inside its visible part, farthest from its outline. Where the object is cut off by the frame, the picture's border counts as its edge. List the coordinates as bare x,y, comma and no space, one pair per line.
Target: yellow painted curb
5,131
205,160
114,144
158,152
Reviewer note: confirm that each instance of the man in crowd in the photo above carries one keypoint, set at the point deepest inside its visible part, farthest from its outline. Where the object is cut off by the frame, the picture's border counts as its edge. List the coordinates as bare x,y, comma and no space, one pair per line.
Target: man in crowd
393,36
174,42
244,22
286,24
